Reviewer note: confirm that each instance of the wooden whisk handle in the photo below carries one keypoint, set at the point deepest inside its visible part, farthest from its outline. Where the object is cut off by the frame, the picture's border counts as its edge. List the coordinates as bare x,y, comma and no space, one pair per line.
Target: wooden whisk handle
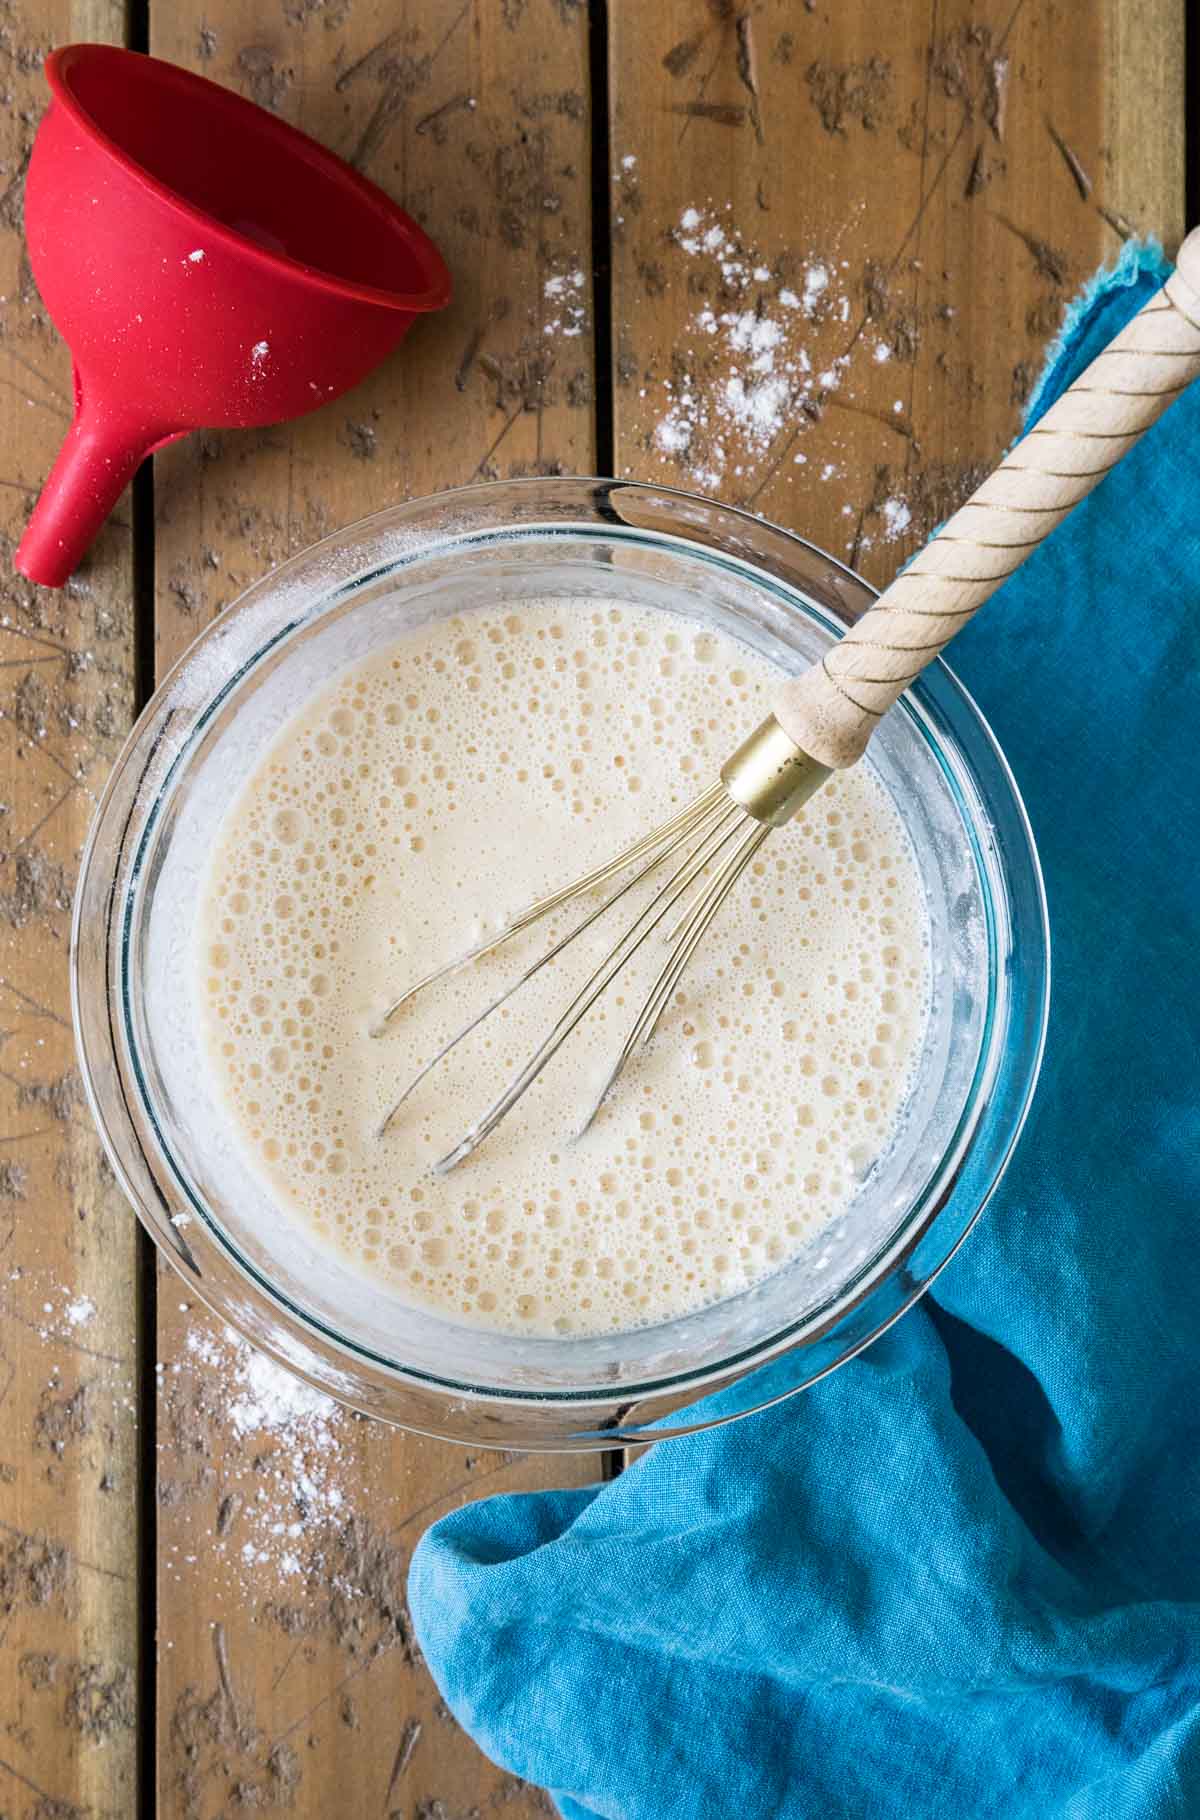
831,711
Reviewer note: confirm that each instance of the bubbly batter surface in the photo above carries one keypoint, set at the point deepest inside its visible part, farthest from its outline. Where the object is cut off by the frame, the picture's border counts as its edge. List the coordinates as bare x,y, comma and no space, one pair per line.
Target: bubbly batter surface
431,792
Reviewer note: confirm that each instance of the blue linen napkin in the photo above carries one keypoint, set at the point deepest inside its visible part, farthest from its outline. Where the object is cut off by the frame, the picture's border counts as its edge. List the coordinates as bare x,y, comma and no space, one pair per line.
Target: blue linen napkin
961,1577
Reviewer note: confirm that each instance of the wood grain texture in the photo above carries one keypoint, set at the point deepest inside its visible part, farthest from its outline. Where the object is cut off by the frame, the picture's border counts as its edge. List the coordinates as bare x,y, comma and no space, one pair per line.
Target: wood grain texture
833,709
1142,62
287,1673
68,1242
883,212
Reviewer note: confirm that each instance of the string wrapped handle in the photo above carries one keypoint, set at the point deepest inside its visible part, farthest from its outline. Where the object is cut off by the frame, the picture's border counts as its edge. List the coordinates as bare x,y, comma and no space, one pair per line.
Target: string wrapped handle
831,710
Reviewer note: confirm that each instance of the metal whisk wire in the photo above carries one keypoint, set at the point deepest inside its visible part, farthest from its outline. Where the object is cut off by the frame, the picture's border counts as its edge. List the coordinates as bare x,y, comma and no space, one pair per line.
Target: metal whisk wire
687,935
662,840
599,981
707,828
703,815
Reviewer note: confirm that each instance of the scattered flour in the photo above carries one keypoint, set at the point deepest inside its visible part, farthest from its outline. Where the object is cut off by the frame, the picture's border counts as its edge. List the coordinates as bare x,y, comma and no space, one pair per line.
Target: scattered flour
273,1398
816,283
566,289
69,1311
750,374
775,342
897,516
284,1482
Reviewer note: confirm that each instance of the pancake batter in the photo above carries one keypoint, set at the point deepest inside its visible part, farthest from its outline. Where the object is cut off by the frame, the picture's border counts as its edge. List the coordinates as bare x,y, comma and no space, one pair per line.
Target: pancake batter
431,792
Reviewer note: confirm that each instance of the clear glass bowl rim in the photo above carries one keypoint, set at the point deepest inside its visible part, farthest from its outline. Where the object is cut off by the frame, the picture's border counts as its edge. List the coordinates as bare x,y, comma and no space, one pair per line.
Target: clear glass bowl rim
931,1232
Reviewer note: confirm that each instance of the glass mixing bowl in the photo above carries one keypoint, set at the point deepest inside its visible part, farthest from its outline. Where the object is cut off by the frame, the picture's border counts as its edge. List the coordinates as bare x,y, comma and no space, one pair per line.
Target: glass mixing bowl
171,1146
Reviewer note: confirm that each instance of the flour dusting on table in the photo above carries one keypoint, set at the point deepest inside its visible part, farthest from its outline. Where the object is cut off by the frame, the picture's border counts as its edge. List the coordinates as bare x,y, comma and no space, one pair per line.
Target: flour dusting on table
283,1484
780,342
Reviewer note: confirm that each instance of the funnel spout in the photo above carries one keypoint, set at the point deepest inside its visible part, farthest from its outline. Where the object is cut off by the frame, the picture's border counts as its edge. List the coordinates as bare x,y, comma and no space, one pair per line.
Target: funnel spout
97,461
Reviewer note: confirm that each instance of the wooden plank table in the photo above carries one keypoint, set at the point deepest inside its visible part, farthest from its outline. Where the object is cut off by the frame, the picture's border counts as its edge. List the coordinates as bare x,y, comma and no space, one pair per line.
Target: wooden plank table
821,249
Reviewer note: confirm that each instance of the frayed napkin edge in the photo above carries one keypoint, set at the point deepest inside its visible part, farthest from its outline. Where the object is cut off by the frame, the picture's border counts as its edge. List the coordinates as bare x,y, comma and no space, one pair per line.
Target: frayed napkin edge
1136,259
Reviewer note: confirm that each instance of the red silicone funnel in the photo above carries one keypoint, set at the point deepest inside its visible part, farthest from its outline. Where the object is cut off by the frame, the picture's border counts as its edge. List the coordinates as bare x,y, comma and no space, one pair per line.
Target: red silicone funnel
208,265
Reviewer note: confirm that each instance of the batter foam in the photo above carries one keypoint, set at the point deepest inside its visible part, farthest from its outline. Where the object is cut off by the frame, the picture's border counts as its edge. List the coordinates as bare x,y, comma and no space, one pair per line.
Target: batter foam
433,790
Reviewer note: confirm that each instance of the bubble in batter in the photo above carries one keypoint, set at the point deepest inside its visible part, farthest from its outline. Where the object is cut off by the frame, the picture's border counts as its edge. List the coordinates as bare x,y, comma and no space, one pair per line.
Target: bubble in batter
405,814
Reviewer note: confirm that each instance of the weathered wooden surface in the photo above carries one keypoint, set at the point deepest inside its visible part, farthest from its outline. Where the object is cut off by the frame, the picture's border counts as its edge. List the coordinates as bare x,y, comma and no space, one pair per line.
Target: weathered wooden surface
68,1248
285,1665
952,172
872,218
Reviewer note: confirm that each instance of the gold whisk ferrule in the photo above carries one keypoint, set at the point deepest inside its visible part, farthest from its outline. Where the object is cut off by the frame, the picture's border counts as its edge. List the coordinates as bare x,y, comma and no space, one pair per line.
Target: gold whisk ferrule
770,776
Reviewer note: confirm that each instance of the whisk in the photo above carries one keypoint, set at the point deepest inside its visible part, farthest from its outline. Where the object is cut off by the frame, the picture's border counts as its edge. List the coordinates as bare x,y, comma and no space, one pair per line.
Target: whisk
823,719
